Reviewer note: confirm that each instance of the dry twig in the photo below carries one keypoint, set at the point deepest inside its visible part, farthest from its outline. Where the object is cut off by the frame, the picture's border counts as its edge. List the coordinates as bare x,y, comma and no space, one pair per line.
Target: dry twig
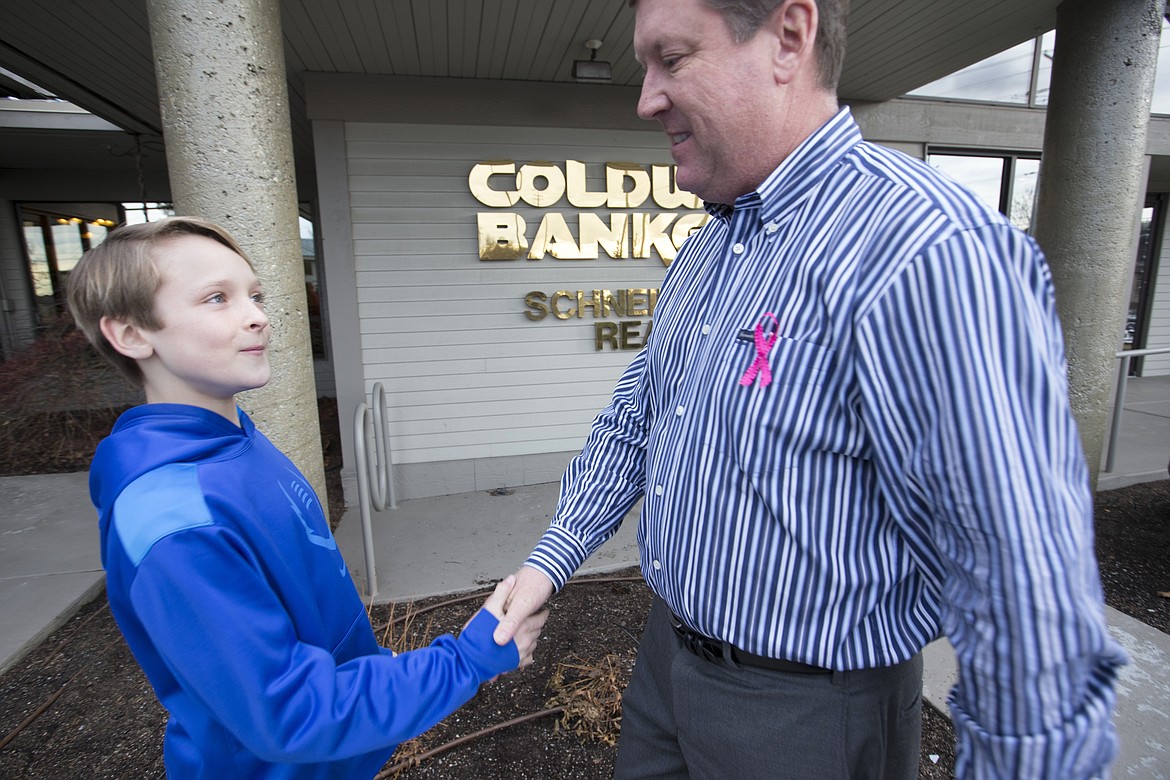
591,696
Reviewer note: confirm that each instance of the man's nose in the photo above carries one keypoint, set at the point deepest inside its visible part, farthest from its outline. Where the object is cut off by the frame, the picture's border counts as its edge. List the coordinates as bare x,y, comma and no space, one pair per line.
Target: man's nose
652,100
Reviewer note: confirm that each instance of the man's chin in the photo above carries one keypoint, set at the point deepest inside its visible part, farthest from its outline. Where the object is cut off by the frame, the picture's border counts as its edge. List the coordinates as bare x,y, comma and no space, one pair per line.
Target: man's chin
684,181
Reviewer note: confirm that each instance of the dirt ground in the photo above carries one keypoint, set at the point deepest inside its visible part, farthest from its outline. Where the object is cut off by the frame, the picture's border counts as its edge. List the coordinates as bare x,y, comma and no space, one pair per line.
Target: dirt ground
106,723
79,707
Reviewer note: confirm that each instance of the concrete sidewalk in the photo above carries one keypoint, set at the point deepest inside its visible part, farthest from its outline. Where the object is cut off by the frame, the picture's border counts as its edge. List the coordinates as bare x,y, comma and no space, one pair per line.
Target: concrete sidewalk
50,565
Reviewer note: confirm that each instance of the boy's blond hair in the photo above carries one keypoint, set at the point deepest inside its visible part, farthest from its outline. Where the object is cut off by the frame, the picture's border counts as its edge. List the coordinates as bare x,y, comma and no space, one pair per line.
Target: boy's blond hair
118,278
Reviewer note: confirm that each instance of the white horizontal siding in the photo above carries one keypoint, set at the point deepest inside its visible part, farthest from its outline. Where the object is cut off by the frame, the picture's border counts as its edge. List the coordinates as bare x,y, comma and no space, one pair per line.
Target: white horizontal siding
1158,334
466,373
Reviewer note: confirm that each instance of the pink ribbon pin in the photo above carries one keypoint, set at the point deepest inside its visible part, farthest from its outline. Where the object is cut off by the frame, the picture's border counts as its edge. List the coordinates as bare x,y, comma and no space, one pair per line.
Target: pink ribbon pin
763,347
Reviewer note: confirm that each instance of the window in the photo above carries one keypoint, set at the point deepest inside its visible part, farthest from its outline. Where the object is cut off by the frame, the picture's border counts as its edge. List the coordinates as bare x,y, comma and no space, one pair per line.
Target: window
55,236
138,213
1141,301
312,282
1022,74
1006,182
1161,103
1018,75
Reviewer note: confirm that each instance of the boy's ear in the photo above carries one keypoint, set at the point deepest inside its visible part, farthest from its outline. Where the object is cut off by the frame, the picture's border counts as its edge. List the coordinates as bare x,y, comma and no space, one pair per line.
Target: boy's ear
127,338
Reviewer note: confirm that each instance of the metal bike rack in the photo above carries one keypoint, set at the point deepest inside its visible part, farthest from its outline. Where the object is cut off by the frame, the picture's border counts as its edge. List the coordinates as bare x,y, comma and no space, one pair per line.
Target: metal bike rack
375,476
1119,397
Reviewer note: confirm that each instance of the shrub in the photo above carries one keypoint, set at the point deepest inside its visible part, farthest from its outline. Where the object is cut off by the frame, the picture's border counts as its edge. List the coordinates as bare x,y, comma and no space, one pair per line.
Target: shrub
59,399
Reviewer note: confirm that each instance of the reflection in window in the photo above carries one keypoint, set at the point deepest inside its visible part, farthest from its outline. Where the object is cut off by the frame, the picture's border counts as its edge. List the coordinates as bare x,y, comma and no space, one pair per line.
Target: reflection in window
1004,182
1023,74
1044,68
312,282
1141,301
981,175
139,213
54,240
1022,200
1002,78
1161,104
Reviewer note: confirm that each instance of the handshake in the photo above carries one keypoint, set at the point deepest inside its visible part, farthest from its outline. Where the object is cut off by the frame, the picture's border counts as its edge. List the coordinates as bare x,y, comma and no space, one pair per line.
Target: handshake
518,603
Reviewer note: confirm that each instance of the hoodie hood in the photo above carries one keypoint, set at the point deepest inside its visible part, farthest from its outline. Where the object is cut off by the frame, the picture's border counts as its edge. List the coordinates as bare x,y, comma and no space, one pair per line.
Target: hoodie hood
154,435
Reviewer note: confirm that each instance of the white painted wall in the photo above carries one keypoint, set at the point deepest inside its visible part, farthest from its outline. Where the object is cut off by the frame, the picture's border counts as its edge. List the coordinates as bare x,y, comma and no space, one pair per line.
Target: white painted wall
1158,334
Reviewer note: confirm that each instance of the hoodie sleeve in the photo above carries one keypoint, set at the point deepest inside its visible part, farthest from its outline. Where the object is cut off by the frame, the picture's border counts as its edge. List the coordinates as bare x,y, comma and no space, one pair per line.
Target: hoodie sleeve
233,650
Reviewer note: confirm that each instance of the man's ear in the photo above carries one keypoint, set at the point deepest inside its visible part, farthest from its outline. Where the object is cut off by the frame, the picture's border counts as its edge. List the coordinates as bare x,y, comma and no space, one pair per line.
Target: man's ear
127,338
794,25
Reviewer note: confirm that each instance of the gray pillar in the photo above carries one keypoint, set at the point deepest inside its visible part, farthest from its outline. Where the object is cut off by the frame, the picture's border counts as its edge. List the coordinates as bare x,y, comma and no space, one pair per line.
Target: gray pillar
1092,185
224,100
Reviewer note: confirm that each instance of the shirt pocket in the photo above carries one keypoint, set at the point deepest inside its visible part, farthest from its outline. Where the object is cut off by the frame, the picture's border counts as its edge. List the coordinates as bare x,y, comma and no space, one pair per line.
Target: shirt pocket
763,426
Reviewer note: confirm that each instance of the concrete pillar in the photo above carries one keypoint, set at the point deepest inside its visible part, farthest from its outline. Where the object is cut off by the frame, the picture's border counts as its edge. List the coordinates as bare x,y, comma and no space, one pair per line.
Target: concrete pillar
224,100
1092,184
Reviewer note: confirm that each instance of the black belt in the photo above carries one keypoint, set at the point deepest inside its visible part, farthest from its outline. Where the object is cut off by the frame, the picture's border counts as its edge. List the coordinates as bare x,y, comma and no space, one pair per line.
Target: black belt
712,650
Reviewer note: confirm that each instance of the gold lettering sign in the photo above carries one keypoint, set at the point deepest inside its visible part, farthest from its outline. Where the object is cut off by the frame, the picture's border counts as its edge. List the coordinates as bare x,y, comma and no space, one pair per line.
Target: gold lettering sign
597,304
483,191
500,184
666,192
627,334
600,306
617,175
501,236
577,189
548,194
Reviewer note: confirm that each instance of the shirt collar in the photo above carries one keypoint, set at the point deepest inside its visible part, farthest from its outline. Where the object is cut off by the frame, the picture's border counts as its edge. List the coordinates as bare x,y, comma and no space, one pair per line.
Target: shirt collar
800,171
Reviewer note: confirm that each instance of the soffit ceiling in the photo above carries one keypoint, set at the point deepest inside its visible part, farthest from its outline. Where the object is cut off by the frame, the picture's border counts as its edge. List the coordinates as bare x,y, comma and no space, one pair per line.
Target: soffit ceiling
96,53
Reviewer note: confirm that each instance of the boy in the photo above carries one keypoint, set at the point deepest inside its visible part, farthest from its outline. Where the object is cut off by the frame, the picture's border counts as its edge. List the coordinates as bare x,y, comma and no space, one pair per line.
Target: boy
220,568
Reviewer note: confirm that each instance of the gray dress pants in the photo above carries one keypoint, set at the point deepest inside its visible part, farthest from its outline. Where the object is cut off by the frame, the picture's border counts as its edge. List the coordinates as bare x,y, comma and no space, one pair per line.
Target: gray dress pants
687,717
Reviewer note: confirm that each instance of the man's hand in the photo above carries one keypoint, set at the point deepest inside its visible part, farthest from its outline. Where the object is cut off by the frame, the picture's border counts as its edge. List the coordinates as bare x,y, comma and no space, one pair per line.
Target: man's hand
530,590
528,629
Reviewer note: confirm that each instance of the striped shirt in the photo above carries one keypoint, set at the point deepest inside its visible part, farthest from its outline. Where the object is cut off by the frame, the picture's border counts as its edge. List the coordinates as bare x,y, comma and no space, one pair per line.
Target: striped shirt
911,468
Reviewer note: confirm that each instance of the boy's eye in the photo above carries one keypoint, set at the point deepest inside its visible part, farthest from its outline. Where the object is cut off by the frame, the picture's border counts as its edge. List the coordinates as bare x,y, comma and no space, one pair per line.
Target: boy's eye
258,298
217,298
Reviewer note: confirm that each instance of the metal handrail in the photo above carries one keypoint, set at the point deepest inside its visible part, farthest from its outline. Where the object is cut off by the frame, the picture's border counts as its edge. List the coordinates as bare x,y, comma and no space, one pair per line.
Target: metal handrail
378,472
1119,397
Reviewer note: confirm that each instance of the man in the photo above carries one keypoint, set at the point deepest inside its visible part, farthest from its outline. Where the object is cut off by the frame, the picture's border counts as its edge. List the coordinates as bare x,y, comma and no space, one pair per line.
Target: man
852,432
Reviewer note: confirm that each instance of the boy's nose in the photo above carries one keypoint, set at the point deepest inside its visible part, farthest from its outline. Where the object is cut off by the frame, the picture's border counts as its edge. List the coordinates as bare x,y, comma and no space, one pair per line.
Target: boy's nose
258,320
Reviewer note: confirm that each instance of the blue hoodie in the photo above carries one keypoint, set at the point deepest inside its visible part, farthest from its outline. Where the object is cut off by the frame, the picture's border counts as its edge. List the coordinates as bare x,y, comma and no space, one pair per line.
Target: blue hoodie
229,588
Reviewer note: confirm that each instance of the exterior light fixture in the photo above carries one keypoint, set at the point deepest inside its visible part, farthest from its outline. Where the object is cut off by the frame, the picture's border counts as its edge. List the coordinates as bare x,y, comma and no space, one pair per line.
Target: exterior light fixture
593,70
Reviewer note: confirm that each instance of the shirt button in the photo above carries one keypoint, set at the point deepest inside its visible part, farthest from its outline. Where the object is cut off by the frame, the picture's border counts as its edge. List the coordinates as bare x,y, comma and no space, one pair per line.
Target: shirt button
706,329
771,228
738,248
657,566
658,490
680,411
